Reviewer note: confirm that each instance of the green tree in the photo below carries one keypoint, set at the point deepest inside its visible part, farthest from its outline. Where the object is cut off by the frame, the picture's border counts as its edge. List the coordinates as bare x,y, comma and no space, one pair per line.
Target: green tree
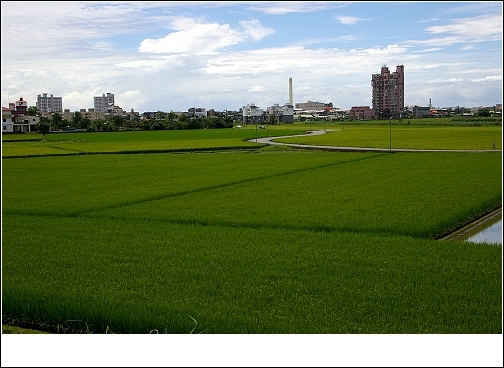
182,122
116,121
57,121
157,125
85,123
195,123
43,126
76,119
145,124
171,120
32,111
160,115
227,122
483,113
98,124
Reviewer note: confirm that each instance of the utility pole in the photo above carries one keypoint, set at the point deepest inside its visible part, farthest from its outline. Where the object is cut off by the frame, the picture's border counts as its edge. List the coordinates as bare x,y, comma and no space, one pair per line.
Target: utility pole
391,134
256,127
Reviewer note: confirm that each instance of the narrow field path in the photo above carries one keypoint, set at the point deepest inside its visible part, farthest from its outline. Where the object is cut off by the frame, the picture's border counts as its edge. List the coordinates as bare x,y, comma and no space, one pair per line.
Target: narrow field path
269,140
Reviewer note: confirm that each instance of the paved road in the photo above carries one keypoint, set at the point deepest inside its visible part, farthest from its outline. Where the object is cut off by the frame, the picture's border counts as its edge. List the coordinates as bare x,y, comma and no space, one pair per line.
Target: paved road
269,140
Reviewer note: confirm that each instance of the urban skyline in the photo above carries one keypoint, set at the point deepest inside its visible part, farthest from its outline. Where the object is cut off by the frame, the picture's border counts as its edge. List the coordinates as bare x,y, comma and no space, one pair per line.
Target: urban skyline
175,55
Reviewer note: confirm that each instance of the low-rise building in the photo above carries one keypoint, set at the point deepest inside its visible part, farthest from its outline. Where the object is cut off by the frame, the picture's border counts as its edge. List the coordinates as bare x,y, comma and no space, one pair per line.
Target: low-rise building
437,113
362,113
252,114
421,112
197,112
15,119
90,114
7,123
280,114
312,105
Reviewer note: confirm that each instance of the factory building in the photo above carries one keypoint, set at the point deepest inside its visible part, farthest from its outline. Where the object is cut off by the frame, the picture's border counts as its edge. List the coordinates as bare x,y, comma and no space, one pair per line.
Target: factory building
252,114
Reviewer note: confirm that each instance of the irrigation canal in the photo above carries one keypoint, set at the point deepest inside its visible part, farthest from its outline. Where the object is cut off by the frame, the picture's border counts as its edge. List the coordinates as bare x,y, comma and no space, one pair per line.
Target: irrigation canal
487,229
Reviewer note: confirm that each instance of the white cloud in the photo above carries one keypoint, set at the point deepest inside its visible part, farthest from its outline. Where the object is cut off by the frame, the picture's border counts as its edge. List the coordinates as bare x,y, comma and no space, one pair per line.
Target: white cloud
489,78
465,30
255,30
257,89
349,20
197,38
78,98
446,80
435,42
431,49
481,28
193,38
428,20
347,38
389,50
285,7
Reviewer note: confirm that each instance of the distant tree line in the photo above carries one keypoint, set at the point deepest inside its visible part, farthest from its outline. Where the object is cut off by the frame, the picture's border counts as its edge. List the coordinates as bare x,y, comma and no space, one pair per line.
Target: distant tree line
172,121
151,121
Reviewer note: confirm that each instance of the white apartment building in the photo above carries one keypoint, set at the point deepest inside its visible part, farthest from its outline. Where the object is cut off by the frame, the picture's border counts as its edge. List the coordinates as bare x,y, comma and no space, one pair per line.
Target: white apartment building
49,104
102,103
7,123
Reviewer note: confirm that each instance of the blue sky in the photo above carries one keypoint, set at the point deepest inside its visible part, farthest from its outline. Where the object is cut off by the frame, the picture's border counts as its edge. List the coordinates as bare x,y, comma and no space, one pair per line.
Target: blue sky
223,55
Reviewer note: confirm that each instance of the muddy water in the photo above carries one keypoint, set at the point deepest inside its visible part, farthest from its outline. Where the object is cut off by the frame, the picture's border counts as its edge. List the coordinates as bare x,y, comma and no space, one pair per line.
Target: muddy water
490,232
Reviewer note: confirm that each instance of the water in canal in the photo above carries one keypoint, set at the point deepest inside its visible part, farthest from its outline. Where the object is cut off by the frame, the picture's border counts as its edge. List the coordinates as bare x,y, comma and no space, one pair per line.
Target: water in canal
489,232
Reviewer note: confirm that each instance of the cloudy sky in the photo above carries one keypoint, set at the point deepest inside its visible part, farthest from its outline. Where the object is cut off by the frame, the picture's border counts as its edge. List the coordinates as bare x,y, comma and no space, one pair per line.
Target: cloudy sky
223,55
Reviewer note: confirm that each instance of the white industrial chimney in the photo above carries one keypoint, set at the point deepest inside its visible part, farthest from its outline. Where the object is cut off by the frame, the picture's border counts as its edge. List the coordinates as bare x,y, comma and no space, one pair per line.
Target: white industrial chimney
290,92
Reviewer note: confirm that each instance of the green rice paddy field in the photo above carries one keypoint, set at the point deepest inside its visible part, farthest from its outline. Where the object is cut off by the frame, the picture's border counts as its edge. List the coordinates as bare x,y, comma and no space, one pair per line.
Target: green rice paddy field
246,239
406,136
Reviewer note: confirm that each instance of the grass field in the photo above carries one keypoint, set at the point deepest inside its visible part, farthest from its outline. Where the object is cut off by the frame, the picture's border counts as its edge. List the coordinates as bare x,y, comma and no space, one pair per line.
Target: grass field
249,241
404,136
421,134
32,144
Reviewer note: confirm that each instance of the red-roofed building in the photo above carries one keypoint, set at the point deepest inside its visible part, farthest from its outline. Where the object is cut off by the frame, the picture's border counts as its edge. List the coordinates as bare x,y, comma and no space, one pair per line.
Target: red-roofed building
21,107
18,121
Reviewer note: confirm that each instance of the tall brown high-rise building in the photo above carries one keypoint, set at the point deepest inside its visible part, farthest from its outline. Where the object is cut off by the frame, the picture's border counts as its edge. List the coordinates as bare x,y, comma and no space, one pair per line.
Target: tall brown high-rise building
388,93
